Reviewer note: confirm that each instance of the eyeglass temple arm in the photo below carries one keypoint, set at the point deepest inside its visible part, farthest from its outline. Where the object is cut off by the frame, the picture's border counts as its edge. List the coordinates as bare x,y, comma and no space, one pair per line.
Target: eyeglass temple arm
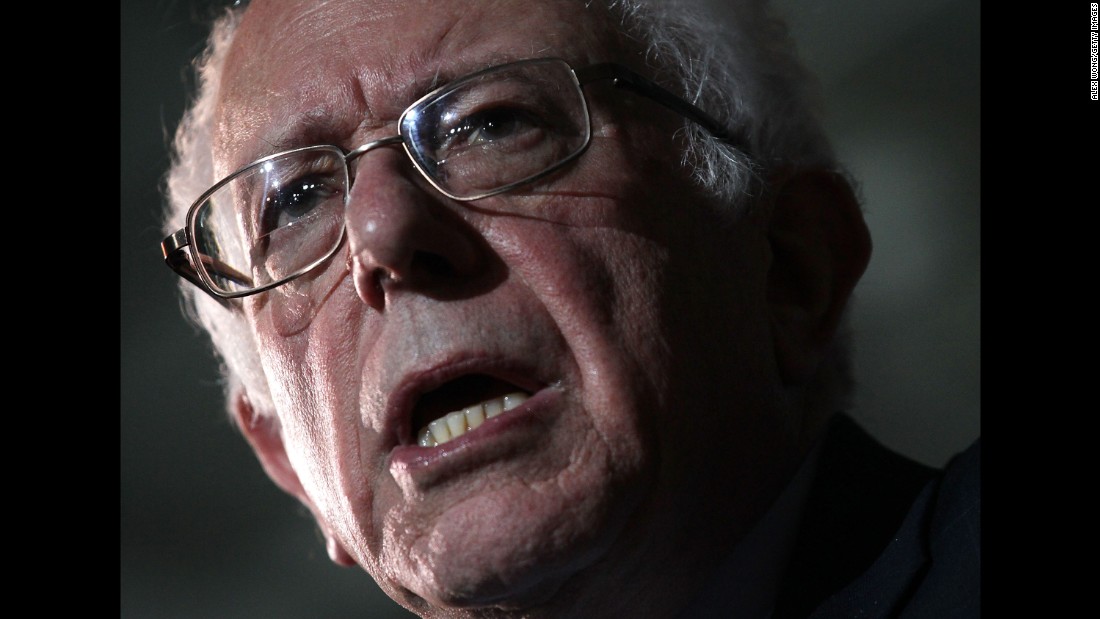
179,261
622,77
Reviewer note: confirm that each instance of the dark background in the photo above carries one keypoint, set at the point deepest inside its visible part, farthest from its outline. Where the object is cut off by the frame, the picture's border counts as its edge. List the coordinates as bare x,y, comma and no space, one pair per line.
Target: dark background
205,534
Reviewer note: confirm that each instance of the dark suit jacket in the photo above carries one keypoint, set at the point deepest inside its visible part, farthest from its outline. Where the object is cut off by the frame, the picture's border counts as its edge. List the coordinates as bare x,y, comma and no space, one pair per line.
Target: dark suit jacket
884,536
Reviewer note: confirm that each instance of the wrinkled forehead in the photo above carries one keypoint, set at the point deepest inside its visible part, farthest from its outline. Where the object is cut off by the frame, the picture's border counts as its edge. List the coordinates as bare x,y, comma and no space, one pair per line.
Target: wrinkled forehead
332,68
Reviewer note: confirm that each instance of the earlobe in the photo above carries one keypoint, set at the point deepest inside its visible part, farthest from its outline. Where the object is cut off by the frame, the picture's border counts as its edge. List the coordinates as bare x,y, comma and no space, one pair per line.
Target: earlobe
336,551
820,248
263,433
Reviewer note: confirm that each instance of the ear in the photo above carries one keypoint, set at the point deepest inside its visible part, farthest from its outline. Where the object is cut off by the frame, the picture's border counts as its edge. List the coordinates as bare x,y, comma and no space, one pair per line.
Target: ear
264,434
820,247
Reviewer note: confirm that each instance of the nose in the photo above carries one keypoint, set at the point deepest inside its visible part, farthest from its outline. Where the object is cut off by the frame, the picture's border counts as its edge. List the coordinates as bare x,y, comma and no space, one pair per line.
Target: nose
401,234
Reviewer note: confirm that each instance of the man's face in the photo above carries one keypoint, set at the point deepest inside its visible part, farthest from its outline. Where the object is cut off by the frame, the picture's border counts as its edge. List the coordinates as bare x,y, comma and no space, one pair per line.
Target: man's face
616,299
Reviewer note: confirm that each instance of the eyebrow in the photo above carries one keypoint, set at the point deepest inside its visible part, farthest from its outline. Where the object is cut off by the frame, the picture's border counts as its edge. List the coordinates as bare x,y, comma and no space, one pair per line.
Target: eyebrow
302,129
445,74
328,122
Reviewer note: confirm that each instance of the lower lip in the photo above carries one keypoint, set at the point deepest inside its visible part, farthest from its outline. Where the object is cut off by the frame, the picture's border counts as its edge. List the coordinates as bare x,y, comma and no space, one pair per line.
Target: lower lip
467,450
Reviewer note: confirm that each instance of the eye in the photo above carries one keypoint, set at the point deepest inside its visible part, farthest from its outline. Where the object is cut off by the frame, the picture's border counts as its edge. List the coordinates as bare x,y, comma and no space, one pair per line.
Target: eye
289,203
488,126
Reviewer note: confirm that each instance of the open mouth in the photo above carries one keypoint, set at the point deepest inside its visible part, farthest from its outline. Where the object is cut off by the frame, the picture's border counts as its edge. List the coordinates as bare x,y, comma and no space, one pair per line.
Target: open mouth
460,406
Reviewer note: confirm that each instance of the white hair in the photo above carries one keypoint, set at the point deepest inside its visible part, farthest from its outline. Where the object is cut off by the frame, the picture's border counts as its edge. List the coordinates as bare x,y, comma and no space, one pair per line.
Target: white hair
741,69
191,173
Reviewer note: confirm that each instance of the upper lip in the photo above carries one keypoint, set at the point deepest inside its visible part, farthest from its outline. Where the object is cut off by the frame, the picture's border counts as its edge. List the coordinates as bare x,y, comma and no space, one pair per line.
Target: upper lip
414,384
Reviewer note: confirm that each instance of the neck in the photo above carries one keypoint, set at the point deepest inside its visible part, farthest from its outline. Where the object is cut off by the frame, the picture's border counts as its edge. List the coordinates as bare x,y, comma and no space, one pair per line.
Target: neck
709,550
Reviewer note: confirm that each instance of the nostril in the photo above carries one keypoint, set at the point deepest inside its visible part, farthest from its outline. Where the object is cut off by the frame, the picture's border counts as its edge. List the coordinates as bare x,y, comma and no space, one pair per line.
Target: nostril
432,265
368,283
426,270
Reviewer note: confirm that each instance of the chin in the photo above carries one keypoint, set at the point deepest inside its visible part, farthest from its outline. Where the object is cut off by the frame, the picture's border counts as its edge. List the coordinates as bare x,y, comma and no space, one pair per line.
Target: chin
510,551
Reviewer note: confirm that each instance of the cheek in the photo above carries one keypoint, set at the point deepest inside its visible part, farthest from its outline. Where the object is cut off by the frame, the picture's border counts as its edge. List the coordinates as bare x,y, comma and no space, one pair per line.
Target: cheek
293,306
313,386
601,286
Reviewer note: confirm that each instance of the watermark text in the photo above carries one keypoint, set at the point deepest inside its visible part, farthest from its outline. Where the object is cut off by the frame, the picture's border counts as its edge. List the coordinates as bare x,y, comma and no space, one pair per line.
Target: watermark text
1094,47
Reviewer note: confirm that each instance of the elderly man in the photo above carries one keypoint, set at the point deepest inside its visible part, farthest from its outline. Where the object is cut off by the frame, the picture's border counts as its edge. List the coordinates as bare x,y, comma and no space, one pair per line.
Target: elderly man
538,307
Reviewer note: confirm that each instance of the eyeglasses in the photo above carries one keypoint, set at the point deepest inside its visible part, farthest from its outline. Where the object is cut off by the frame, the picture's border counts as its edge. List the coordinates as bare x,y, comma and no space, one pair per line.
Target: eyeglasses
281,216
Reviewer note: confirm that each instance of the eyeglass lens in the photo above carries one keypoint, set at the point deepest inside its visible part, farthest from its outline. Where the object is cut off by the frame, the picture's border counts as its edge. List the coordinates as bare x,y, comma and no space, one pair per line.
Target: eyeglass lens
498,129
274,220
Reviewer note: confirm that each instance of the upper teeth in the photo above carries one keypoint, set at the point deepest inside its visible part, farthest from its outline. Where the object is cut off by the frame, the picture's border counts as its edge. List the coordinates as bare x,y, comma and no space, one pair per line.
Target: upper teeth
456,423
